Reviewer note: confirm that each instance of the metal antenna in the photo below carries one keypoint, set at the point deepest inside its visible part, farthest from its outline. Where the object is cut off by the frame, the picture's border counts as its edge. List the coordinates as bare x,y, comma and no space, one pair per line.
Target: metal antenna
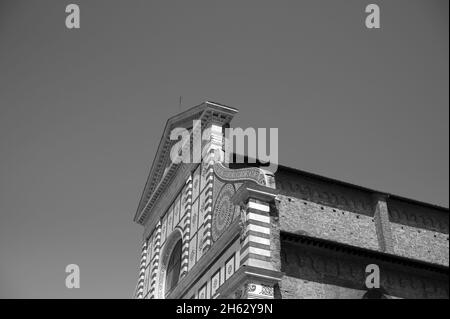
180,102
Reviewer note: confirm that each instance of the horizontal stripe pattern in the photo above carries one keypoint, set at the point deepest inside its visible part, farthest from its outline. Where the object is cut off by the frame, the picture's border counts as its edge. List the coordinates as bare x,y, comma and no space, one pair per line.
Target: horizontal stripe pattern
262,207
255,247
260,229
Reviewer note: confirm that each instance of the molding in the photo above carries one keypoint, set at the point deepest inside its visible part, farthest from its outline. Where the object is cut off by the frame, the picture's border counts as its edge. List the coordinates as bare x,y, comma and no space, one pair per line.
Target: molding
166,196
258,192
380,197
246,274
362,252
285,170
251,174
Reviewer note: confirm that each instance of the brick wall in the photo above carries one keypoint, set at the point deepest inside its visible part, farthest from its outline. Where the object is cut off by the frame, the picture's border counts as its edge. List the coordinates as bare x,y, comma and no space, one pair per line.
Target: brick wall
318,272
303,186
320,221
419,232
314,207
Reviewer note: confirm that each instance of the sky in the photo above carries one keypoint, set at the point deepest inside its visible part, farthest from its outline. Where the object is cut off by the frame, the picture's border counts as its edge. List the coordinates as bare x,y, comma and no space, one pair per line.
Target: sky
82,112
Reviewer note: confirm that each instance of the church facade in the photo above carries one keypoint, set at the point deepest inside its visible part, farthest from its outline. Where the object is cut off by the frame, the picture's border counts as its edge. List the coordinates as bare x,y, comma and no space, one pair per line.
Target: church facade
215,230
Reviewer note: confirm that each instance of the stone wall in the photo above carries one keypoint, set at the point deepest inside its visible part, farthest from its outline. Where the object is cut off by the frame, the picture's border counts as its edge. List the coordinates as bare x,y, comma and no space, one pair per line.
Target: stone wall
311,219
420,232
325,209
322,192
323,272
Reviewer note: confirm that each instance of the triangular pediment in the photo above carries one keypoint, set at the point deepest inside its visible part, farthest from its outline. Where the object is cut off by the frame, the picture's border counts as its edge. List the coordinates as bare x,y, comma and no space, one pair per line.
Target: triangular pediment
162,169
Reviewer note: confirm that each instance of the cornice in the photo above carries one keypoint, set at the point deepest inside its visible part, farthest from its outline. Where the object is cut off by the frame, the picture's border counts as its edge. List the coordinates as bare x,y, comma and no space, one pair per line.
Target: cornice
162,172
252,174
246,274
258,192
362,252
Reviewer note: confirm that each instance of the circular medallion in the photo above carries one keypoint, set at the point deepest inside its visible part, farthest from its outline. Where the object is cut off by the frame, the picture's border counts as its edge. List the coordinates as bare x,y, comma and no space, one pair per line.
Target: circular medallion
223,211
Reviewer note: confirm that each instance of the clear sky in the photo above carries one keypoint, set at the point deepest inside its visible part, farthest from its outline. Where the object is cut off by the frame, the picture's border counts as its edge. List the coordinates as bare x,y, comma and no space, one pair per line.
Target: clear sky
82,111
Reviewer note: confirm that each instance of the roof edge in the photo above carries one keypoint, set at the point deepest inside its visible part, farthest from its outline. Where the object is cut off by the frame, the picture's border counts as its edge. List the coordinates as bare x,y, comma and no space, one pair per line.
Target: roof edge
154,175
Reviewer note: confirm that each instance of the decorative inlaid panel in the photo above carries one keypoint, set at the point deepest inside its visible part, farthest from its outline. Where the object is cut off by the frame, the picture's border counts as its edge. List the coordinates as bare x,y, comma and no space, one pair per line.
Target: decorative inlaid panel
214,277
196,183
259,291
202,208
170,221
203,175
224,211
192,252
253,174
202,292
215,282
164,229
229,268
155,241
194,217
149,250
200,237
176,210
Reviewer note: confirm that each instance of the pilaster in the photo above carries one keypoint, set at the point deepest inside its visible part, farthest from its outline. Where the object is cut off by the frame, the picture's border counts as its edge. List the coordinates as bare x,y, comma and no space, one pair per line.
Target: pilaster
140,286
258,273
187,208
155,261
212,153
382,223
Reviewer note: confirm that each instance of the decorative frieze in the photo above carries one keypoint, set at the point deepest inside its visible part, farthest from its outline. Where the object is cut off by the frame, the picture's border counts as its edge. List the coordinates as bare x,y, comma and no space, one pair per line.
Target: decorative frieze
419,217
327,194
224,211
253,174
322,265
259,291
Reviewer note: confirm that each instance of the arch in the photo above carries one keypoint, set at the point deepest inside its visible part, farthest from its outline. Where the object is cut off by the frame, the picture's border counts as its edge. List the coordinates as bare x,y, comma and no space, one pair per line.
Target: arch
173,268
172,243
